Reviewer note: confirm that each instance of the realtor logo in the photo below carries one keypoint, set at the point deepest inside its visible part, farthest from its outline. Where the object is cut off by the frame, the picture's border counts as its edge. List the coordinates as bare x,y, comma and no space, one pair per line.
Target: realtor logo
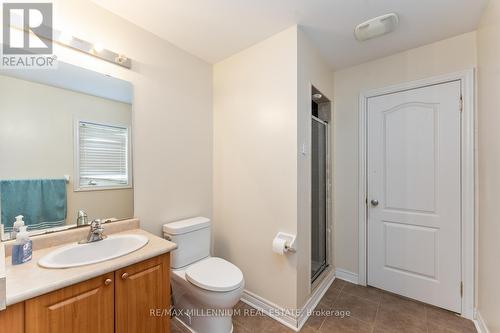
27,35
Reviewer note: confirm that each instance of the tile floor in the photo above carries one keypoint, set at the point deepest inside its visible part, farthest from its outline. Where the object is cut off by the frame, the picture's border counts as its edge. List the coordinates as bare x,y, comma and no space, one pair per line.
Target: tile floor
371,310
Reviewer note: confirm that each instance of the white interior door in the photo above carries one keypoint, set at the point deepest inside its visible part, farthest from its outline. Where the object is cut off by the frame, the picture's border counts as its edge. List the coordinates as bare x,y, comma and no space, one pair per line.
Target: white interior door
414,194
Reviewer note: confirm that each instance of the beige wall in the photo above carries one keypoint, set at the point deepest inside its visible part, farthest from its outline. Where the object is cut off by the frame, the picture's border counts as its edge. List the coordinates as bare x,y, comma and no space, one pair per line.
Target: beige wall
36,140
255,163
172,111
262,110
447,56
488,42
312,70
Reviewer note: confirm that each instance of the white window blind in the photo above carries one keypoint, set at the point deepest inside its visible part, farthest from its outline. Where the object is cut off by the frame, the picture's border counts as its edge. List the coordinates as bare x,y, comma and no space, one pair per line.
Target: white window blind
103,155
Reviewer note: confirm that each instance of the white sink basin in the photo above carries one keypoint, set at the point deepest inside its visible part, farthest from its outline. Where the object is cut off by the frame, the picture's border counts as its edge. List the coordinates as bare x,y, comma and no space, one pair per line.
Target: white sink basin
75,254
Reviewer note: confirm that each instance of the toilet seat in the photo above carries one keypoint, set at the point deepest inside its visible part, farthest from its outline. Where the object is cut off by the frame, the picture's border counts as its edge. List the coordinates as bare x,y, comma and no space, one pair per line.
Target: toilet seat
214,274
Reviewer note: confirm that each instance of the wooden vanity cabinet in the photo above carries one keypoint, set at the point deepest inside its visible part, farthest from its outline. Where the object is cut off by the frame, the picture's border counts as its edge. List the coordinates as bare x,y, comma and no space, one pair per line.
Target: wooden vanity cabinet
142,297
124,301
12,319
84,307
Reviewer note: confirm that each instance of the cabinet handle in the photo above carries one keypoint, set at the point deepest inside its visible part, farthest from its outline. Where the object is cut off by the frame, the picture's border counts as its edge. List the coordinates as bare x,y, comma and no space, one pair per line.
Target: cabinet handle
124,276
107,282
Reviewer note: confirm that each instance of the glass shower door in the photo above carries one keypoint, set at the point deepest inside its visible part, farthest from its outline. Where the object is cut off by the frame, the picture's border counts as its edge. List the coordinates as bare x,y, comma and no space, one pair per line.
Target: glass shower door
319,197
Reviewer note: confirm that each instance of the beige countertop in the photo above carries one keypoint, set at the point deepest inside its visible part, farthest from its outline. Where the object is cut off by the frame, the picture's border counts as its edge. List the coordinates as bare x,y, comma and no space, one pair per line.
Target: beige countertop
29,280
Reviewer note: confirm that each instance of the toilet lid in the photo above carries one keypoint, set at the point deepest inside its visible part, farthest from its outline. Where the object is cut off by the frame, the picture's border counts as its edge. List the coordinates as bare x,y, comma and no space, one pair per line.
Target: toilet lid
215,274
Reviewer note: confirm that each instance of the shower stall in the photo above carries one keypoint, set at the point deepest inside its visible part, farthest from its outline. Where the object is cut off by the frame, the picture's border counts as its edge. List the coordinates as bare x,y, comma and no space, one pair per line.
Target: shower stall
320,193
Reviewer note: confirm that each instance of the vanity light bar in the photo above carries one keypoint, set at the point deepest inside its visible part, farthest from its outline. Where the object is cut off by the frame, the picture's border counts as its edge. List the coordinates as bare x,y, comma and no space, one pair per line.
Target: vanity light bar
96,50
66,39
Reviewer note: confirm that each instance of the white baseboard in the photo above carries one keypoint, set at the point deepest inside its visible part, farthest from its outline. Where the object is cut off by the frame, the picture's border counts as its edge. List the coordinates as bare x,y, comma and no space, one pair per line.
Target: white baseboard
315,298
346,275
269,308
479,323
288,318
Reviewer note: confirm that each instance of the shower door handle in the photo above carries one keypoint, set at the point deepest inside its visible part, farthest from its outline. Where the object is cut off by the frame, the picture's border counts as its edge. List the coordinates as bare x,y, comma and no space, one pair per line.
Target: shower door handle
374,202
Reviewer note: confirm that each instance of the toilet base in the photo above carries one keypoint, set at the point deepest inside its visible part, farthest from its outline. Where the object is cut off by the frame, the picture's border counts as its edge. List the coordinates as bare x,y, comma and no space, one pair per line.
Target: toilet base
203,311
192,330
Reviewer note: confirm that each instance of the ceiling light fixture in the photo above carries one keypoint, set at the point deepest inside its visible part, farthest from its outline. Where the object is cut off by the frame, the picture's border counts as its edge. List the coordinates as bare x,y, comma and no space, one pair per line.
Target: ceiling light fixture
377,26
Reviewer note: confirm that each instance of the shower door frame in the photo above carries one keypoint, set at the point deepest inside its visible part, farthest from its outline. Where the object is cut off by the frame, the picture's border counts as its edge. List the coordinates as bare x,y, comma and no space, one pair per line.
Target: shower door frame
315,280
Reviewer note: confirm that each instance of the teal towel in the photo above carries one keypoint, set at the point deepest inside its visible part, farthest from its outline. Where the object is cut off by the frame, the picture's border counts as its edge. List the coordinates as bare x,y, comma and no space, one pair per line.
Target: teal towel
42,202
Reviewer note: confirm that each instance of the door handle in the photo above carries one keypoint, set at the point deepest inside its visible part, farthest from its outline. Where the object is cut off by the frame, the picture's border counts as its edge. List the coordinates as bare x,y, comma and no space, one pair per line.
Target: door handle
374,202
124,276
107,282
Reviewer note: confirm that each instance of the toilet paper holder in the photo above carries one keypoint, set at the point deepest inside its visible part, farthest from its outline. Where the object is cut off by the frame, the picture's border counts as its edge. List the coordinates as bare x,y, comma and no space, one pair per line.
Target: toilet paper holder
289,241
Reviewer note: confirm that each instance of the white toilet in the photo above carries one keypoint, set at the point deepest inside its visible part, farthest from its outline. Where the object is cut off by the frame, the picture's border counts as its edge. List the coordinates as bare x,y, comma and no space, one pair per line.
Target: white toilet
205,288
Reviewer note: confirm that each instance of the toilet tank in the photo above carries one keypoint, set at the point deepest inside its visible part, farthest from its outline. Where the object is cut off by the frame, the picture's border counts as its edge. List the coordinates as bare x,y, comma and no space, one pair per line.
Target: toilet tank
192,237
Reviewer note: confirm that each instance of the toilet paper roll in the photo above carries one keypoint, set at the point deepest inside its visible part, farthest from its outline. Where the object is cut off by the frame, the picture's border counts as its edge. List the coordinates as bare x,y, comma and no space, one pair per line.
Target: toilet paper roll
279,245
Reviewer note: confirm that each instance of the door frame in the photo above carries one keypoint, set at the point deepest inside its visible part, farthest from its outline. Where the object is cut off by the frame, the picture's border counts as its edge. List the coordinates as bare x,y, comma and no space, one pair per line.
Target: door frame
468,167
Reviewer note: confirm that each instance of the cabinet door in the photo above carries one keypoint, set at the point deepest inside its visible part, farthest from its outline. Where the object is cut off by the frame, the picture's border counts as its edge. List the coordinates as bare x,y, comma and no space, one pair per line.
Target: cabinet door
12,319
83,307
142,297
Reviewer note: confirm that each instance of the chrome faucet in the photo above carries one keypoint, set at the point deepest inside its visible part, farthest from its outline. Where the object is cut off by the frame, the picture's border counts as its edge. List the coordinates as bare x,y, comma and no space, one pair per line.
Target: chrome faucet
95,232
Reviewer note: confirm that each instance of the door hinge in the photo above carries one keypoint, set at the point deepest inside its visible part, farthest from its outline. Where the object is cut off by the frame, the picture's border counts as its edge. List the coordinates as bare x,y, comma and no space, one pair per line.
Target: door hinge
461,103
366,201
461,289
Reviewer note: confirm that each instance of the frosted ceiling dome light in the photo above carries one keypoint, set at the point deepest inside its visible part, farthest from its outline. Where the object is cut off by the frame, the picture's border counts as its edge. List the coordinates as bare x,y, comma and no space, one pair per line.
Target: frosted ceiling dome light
377,26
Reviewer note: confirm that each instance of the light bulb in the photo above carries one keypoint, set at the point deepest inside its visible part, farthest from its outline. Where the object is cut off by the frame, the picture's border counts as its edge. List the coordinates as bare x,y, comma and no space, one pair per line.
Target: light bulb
98,47
65,37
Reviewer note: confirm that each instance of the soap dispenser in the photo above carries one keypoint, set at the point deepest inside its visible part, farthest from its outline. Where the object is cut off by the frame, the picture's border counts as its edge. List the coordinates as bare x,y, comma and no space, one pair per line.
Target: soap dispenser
16,227
22,250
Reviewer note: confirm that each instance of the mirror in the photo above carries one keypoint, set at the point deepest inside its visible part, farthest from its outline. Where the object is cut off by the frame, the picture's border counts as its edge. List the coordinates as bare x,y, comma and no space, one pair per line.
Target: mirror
65,147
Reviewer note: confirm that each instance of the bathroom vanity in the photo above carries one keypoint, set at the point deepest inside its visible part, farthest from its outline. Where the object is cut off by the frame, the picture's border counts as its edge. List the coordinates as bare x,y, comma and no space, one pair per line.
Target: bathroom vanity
117,301
75,187
130,293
